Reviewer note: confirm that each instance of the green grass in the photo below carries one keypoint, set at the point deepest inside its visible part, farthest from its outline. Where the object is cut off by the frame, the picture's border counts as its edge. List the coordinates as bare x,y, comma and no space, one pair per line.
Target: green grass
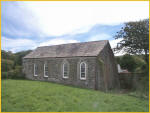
25,95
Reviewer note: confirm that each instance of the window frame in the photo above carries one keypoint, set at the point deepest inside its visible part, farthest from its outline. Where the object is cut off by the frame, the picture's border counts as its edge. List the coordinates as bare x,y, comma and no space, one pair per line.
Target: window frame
34,70
67,70
45,70
81,78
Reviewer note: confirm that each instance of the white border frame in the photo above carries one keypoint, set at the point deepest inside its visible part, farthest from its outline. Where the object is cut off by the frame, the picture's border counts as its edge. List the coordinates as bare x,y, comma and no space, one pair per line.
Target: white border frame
34,70
44,71
85,71
67,71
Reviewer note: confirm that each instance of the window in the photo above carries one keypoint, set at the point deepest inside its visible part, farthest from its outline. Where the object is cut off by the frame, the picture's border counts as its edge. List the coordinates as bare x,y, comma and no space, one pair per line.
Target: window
82,70
35,70
65,70
45,70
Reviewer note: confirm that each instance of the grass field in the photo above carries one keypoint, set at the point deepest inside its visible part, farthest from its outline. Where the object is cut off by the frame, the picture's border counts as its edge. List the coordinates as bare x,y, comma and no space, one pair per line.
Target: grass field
25,95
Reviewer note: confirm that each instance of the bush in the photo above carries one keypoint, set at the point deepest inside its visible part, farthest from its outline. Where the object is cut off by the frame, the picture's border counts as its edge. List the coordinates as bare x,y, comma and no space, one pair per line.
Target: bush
7,65
11,64
142,89
128,62
7,55
139,61
18,72
14,74
4,75
142,69
11,74
133,63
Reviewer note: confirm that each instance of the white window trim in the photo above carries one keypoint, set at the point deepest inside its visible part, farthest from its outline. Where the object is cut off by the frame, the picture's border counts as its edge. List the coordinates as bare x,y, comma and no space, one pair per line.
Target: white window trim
85,71
34,70
63,72
44,71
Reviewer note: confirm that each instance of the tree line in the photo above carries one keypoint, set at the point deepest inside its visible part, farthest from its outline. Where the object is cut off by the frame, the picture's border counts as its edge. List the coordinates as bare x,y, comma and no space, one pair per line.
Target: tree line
11,64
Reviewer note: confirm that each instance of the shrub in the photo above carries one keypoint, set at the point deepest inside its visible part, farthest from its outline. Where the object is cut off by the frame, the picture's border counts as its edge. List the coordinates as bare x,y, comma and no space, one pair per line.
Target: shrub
11,64
4,75
128,62
11,74
7,65
14,74
18,72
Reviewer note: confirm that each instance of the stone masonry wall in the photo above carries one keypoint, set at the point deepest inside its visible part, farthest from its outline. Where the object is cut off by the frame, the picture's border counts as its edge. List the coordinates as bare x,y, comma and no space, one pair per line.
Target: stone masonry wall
55,70
107,69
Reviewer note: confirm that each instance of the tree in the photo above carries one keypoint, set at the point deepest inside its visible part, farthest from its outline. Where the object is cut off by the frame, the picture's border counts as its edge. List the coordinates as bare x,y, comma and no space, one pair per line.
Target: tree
7,55
11,64
135,38
19,56
6,65
128,62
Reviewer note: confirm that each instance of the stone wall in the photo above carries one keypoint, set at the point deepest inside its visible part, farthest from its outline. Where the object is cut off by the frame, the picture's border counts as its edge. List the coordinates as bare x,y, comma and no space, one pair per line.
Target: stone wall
130,80
108,69
55,70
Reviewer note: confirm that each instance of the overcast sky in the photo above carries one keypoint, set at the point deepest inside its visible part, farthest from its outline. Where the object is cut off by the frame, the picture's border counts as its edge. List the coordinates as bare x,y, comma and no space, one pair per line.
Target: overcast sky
27,25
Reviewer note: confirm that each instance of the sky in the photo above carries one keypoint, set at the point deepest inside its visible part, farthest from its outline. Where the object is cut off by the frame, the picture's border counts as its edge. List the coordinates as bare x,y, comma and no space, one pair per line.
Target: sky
27,25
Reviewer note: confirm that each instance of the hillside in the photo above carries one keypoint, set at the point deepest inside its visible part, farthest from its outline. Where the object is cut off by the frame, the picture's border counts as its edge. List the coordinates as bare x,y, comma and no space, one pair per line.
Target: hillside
25,95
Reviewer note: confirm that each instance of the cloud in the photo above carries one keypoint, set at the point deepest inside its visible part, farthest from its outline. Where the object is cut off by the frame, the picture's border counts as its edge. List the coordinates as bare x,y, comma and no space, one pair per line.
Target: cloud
26,25
57,42
12,31
84,29
97,32
18,21
16,45
113,44
56,18
102,36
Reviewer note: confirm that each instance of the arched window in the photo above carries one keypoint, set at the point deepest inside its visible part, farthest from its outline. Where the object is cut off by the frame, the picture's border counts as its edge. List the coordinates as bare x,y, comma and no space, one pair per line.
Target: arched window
35,70
65,70
83,70
45,70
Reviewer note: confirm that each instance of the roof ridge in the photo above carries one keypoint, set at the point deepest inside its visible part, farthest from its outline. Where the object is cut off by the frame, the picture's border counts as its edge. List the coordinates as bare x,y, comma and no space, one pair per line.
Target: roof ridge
73,43
91,48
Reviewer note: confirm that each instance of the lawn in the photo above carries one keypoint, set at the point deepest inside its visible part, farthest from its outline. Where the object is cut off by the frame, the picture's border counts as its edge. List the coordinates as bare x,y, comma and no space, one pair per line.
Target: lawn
26,95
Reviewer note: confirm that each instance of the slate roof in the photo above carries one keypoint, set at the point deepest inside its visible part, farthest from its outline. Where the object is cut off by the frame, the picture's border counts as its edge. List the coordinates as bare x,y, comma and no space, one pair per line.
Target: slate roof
92,48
